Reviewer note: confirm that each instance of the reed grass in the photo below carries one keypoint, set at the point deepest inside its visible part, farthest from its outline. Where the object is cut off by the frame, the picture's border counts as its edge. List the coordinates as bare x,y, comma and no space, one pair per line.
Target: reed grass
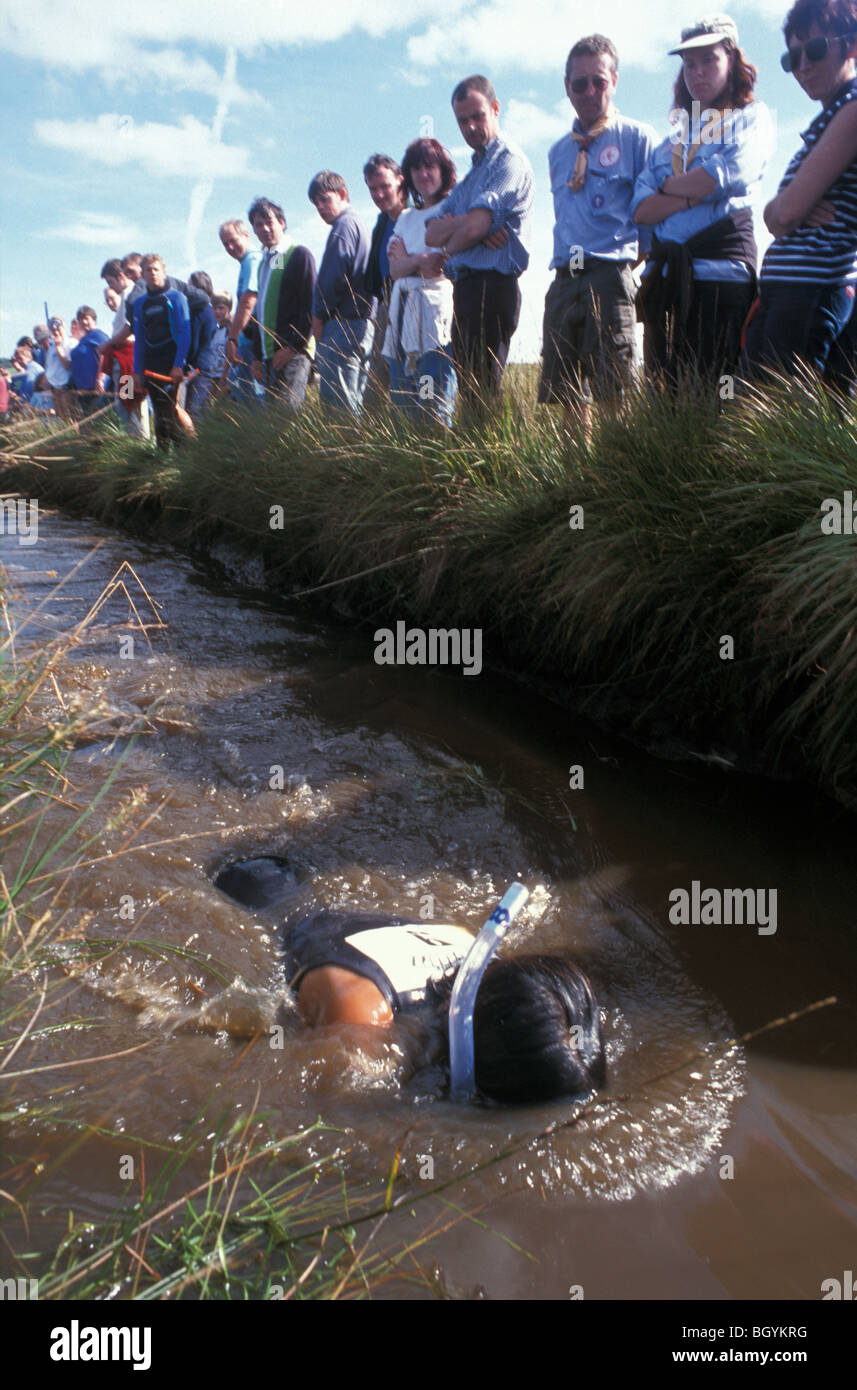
701,521
262,1220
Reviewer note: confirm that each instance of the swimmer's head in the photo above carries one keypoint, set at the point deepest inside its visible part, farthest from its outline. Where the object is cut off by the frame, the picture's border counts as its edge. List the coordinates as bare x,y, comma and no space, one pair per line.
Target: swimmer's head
536,1031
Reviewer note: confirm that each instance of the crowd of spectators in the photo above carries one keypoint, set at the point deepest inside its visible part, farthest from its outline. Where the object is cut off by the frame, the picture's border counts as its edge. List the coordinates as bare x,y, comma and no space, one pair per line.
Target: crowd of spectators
425,306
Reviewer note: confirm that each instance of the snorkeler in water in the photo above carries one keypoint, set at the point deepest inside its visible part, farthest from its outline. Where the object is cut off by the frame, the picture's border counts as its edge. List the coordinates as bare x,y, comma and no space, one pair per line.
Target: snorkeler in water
536,1033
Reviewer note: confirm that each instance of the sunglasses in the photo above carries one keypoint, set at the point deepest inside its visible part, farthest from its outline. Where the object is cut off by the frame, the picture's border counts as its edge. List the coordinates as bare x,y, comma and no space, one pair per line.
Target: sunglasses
815,50
581,84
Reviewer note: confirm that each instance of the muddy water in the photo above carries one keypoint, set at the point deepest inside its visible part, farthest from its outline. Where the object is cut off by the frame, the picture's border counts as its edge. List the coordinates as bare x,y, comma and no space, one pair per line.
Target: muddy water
708,1168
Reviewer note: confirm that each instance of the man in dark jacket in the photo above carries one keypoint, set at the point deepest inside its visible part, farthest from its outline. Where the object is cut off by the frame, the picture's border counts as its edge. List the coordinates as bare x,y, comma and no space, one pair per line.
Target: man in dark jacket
387,190
342,306
283,307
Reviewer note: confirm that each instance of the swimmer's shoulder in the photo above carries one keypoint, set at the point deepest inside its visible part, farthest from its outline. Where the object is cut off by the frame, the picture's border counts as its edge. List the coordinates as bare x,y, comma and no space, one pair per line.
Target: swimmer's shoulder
408,955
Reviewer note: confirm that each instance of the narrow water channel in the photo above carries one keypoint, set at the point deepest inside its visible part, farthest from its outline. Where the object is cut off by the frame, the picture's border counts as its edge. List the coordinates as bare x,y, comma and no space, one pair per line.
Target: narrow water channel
708,1168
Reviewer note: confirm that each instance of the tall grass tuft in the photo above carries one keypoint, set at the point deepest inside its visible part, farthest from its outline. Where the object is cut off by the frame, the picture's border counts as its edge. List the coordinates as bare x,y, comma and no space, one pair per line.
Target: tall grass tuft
701,523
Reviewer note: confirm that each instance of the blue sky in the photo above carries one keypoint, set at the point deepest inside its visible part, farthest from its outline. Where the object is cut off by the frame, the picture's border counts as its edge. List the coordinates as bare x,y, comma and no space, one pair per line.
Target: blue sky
143,128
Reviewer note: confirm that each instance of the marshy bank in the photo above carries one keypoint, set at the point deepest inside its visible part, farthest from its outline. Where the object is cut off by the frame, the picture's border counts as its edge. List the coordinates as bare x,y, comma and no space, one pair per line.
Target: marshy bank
229,727
684,581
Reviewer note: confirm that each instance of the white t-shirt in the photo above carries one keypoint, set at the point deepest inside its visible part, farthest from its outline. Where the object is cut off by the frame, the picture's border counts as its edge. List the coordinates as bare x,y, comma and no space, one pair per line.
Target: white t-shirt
56,373
120,317
420,310
401,958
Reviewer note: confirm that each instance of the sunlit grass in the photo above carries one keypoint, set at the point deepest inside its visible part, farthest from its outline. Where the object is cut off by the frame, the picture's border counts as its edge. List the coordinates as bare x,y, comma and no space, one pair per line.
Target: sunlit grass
701,522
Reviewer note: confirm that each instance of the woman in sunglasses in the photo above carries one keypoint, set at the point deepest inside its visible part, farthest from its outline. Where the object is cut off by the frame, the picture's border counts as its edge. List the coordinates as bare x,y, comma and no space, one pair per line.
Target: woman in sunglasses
697,193
808,275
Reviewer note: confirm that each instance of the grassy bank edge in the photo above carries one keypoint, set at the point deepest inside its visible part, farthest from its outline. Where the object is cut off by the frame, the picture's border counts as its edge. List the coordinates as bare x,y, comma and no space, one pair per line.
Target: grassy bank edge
694,593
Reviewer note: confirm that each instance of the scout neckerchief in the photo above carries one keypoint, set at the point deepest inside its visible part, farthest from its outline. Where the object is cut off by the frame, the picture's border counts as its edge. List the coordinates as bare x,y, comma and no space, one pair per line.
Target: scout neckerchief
710,133
575,183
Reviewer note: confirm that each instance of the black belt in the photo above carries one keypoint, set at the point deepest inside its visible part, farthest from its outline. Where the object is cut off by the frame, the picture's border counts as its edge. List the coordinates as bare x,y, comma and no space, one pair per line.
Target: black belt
465,273
589,263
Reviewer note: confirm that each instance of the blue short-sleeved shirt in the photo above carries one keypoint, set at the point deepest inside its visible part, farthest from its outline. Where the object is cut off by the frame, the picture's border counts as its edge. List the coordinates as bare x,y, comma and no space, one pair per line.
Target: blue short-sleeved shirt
736,161
598,218
248,283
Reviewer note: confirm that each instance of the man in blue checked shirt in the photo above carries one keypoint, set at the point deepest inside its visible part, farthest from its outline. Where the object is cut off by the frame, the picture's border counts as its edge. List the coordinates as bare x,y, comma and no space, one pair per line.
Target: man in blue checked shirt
483,232
590,336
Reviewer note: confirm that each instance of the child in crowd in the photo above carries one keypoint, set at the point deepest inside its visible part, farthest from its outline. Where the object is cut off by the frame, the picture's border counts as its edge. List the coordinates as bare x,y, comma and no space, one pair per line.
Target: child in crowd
342,308
221,307
203,354
87,372
161,346
58,366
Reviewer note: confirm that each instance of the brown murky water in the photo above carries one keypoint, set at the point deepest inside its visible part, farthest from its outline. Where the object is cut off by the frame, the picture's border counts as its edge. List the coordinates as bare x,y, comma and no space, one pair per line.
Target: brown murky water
708,1169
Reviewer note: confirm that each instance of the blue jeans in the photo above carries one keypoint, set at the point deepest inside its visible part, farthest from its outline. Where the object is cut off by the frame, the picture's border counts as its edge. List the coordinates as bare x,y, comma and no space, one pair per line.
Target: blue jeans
289,384
242,384
342,362
198,397
796,321
430,391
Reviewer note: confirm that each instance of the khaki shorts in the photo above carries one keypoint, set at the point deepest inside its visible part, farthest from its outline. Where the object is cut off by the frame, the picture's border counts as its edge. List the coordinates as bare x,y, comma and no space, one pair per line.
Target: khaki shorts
590,334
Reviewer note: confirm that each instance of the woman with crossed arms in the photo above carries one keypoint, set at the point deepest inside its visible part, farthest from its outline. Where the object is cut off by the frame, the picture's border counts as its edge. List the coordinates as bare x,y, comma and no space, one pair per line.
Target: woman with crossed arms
696,194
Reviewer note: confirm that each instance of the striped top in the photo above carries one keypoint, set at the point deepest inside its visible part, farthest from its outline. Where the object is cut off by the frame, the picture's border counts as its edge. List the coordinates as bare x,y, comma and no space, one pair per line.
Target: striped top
820,255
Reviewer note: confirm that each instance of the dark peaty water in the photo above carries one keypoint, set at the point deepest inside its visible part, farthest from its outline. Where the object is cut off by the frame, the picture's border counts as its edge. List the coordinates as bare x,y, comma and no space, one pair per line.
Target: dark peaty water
708,1168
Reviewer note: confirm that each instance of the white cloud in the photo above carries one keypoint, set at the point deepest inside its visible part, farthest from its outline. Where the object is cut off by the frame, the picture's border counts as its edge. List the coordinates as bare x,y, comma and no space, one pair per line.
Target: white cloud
186,150
95,229
535,35
170,68
528,124
411,77
68,33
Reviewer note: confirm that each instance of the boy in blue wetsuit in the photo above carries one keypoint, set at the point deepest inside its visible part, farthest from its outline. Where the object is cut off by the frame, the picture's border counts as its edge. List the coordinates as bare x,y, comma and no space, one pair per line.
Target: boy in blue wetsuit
161,342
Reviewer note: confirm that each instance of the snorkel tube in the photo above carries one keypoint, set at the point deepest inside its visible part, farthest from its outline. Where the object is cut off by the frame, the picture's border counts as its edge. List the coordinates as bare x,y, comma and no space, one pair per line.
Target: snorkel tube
461,1060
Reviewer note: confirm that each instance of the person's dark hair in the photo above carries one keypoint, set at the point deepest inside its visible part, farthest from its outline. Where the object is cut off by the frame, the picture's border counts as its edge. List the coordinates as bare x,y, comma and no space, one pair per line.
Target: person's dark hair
833,17
739,88
86,309
201,280
112,268
420,153
327,182
536,1030
381,161
475,83
26,342
592,47
264,205
133,258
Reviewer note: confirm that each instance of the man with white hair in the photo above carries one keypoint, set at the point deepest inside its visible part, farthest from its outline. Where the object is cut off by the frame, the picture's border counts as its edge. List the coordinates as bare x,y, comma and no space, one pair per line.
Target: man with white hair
235,236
